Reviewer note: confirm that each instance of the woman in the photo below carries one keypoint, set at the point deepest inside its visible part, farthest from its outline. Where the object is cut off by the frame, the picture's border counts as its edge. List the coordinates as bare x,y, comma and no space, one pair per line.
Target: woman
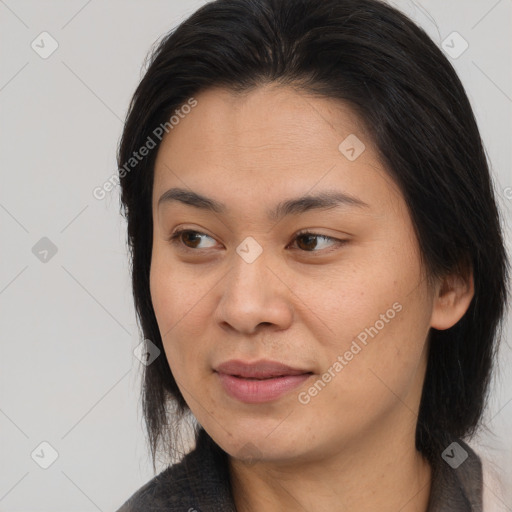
317,254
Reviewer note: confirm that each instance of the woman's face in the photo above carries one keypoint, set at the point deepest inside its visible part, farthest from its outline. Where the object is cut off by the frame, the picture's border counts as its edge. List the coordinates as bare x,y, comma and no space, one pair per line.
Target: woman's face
346,308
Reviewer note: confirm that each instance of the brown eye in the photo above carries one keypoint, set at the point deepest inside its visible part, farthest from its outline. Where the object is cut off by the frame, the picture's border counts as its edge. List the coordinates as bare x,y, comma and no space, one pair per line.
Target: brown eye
188,238
310,241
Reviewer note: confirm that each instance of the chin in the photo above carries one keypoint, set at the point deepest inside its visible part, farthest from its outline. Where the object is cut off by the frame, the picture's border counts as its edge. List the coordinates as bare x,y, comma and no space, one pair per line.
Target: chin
264,439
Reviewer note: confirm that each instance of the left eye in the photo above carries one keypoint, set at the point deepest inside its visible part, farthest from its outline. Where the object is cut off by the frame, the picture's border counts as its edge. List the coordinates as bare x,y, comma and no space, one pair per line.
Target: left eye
183,237
310,238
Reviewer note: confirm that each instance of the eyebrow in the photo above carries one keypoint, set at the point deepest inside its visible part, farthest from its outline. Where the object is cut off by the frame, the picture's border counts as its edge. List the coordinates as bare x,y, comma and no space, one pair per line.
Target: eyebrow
323,200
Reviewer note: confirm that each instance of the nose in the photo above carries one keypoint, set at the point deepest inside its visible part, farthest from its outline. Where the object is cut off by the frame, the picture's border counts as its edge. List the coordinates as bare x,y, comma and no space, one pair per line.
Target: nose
254,297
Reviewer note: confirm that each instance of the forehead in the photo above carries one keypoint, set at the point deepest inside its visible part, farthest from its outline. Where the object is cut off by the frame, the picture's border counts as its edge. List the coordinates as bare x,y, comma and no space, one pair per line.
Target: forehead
265,117
270,139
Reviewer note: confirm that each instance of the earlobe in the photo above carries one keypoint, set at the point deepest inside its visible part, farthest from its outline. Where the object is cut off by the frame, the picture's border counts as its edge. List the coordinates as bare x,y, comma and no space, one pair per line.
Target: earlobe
453,297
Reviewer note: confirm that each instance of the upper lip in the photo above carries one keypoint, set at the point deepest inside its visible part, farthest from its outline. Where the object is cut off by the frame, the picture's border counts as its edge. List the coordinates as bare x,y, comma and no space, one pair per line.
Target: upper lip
262,369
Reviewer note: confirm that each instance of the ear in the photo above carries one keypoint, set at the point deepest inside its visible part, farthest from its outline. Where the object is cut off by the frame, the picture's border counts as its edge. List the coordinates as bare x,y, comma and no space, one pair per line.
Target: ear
452,298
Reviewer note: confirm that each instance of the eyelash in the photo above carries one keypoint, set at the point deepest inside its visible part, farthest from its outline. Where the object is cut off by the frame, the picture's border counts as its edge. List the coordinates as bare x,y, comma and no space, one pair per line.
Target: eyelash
175,240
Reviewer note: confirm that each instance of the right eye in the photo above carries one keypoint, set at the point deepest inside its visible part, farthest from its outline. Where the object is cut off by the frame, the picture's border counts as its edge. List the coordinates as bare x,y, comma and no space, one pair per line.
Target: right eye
182,237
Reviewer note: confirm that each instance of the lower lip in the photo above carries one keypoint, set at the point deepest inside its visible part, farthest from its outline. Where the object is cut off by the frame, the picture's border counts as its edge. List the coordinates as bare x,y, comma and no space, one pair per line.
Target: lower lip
259,391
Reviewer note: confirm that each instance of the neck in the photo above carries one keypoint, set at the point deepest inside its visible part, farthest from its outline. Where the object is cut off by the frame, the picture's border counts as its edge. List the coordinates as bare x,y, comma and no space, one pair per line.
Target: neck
386,473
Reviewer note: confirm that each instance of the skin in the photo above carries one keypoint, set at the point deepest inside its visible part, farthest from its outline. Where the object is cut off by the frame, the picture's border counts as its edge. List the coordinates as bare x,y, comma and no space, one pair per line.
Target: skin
300,303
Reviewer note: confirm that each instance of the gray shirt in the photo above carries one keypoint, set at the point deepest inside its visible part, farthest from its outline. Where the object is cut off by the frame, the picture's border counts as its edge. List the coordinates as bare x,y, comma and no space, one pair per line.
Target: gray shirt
200,483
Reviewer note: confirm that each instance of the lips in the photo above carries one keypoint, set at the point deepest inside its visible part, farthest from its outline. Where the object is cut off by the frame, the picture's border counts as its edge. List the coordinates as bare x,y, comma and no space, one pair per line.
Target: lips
259,370
259,382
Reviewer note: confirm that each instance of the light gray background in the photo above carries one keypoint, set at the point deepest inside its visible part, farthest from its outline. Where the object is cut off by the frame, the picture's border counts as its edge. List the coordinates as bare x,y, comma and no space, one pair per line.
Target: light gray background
67,372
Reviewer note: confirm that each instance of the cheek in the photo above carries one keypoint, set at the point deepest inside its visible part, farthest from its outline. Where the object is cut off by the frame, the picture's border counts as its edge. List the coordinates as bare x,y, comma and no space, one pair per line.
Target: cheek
180,304
171,298
382,363
175,293
379,313
357,295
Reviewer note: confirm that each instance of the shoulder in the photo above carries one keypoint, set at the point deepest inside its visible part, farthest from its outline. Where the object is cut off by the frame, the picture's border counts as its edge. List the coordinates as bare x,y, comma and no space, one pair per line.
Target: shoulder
199,482
168,489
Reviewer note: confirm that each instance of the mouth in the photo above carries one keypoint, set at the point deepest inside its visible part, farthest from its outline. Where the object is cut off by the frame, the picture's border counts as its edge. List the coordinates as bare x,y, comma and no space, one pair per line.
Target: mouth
259,370
261,381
